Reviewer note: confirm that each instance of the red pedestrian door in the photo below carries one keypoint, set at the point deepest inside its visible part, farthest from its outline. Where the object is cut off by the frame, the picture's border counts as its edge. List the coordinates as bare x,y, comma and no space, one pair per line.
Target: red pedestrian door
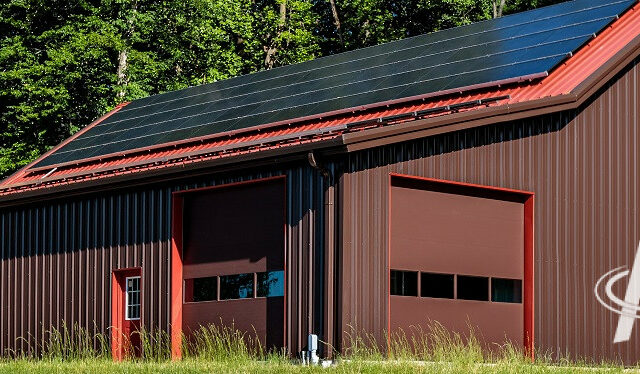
126,312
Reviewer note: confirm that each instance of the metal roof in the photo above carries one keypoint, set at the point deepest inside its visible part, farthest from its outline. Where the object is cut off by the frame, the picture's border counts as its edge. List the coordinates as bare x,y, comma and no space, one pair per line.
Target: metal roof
562,80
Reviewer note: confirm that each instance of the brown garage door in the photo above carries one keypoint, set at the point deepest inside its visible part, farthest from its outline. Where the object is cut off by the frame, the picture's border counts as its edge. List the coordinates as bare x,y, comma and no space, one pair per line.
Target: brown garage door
234,259
456,257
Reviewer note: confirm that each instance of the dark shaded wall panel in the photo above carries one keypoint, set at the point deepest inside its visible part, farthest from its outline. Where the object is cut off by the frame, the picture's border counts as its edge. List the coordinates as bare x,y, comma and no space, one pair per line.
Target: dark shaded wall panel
583,167
58,255
57,259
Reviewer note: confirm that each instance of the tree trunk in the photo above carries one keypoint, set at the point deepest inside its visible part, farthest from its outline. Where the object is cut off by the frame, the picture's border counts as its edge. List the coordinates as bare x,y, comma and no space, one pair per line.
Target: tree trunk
497,8
122,77
269,59
336,21
122,74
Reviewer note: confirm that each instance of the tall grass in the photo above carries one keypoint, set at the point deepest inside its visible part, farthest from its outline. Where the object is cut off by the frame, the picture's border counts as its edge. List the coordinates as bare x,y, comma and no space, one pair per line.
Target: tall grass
75,343
226,345
155,345
431,343
65,344
211,342
222,342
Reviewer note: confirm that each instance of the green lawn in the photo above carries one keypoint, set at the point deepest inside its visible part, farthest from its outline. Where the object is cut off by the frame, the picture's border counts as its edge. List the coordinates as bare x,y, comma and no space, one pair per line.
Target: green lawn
283,366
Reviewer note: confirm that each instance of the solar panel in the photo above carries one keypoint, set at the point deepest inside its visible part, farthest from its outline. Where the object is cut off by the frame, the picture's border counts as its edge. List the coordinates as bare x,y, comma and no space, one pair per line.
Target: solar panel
527,44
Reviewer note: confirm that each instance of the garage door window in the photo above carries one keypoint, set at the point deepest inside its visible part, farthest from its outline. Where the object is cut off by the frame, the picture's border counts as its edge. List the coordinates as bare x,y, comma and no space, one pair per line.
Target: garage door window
436,285
473,288
506,290
236,286
270,284
239,286
204,289
404,283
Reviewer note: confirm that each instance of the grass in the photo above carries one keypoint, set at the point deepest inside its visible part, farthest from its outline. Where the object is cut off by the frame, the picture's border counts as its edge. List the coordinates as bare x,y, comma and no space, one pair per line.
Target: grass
214,349
284,366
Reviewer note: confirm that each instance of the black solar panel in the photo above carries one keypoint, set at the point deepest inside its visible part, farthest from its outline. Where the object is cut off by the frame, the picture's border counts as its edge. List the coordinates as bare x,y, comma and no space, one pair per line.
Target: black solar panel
527,44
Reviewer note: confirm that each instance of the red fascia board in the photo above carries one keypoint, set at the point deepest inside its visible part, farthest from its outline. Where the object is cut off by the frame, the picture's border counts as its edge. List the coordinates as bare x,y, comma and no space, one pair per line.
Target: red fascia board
170,170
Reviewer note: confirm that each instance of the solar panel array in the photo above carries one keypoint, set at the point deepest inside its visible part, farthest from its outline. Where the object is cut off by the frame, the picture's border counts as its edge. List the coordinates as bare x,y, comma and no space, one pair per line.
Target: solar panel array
524,44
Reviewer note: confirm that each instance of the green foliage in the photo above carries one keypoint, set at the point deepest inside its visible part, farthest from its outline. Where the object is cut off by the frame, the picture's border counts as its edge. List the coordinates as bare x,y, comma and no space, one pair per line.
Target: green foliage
64,63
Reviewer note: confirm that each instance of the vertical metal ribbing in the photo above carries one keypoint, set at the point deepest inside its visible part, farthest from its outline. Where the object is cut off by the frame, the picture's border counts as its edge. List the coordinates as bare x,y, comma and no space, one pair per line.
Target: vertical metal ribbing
73,244
583,167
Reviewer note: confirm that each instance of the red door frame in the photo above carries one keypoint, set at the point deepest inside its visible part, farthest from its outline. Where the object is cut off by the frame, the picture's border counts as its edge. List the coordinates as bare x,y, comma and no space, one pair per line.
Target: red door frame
528,284
177,297
121,329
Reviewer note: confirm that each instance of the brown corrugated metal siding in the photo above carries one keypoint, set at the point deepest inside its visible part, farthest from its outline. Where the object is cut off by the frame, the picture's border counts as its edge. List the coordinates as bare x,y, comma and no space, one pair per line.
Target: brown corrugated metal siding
582,166
57,257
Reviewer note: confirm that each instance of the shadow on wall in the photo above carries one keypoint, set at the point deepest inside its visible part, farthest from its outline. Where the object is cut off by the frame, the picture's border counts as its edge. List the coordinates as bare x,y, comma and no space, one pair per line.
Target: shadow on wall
58,255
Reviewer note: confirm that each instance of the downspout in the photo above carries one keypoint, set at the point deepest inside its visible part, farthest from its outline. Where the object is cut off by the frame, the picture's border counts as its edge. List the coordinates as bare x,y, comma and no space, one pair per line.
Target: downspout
314,164
328,270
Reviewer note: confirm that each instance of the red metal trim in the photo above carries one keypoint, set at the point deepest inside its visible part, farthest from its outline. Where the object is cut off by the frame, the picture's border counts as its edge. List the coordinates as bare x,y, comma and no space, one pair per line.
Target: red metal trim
118,341
65,142
529,278
177,264
117,317
176,276
529,275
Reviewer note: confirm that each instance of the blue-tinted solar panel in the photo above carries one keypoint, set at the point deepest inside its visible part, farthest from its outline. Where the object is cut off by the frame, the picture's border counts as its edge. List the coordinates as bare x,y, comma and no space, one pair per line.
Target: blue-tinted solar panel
520,45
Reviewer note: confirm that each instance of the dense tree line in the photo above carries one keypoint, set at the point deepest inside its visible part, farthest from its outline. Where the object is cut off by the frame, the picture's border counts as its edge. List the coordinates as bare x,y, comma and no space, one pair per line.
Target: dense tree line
65,62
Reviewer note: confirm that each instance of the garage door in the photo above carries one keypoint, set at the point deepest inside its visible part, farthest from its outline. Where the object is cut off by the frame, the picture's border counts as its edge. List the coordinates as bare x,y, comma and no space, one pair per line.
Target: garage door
234,259
456,257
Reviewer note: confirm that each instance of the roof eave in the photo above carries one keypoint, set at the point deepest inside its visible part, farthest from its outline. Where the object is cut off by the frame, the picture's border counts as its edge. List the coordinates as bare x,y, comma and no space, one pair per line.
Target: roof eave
176,171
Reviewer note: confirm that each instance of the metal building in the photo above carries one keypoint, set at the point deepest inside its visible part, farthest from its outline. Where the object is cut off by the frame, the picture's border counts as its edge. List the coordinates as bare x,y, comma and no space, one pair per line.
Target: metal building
485,175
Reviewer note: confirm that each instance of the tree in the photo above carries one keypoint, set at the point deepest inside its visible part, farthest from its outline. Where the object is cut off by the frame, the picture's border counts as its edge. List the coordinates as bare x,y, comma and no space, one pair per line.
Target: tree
56,71
498,7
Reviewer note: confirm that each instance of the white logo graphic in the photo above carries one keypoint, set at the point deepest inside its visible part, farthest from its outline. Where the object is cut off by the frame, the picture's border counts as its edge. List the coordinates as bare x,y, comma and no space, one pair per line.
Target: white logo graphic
627,308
